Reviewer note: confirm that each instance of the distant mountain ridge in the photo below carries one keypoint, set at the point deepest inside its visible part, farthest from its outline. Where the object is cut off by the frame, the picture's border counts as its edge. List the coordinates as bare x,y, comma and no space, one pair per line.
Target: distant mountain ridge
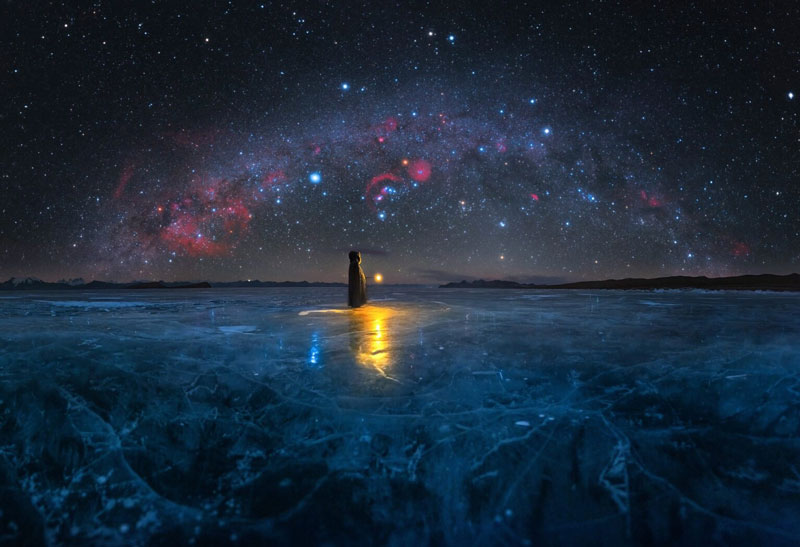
33,283
17,281
75,281
763,282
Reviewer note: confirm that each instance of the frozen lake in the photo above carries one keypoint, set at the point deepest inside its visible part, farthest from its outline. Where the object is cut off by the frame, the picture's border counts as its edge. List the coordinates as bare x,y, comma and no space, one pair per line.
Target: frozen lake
429,416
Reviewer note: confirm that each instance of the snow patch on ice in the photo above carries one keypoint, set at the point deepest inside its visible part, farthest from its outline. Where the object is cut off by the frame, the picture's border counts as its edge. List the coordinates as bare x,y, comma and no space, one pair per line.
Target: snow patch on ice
238,329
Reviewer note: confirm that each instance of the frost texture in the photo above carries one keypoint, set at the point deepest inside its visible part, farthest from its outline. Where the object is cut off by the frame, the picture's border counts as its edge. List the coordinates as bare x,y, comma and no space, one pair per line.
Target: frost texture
429,416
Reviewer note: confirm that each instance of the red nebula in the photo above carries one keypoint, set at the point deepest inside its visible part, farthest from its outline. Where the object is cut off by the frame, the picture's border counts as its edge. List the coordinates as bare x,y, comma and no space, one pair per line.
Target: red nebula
651,201
184,234
375,191
534,197
124,179
419,170
210,218
740,248
272,178
384,129
501,146
209,232
390,124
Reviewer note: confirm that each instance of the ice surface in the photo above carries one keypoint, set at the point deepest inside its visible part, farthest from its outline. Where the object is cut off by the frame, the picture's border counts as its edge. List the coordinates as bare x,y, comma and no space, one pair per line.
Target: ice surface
94,303
430,416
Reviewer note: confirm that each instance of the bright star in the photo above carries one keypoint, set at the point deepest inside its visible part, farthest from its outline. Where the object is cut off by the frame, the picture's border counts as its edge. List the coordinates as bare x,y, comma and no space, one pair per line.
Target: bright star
546,131
315,177
790,95
451,38
345,86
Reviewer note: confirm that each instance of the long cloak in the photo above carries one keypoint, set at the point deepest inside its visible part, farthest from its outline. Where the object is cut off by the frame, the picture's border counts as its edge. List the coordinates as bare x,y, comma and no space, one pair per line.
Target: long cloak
357,286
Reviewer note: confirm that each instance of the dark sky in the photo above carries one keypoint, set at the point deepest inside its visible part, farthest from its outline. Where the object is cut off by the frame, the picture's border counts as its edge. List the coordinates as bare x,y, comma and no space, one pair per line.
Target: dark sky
525,141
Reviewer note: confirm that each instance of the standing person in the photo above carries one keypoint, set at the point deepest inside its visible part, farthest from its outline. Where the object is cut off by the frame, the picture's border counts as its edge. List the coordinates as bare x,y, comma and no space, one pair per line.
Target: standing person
357,282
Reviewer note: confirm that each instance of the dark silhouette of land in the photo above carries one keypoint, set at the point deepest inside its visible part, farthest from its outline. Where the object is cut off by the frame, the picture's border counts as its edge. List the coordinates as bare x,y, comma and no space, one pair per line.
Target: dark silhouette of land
763,282
162,285
31,283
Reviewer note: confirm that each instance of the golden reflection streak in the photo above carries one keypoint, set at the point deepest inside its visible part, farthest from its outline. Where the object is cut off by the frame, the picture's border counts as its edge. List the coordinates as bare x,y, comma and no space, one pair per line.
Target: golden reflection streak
371,330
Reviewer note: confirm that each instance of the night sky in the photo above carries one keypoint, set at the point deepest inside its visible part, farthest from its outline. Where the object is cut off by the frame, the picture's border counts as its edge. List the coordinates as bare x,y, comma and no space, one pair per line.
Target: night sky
523,141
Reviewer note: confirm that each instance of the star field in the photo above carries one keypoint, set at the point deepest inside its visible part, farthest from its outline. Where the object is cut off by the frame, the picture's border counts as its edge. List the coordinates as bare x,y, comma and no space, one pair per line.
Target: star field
512,141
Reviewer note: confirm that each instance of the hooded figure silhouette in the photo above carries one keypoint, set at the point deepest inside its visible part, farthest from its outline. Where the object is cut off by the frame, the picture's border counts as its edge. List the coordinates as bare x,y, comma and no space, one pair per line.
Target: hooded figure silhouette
357,282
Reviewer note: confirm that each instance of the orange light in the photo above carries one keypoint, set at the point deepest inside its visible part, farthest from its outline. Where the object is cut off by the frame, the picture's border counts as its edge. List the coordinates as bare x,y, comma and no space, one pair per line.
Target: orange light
405,161
378,278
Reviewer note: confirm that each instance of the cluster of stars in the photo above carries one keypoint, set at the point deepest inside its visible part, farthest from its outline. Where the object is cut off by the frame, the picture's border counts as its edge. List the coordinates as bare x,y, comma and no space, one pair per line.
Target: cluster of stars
268,141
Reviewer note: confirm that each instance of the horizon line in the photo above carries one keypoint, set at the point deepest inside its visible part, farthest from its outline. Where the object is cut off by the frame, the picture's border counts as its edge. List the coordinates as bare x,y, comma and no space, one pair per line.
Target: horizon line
467,279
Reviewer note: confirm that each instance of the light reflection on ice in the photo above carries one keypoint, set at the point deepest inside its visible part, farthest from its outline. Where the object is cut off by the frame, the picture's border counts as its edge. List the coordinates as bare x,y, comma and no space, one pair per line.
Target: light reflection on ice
372,328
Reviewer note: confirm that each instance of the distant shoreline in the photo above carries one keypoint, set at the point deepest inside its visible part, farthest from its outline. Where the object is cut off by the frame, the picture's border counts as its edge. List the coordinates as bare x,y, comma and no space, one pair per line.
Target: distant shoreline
33,284
763,282
30,284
